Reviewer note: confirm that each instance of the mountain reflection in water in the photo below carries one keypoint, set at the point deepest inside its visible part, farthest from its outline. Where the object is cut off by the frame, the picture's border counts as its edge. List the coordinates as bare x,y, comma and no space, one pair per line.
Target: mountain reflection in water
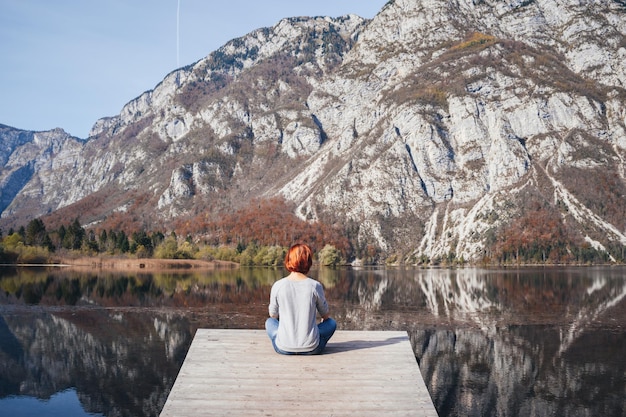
524,342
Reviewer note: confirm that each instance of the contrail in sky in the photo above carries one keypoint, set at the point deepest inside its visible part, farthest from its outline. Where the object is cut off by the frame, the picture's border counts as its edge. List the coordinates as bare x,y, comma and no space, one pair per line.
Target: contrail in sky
178,35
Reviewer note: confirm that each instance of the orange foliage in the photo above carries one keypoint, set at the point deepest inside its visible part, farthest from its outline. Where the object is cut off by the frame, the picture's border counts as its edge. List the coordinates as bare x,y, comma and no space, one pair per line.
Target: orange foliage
537,235
269,222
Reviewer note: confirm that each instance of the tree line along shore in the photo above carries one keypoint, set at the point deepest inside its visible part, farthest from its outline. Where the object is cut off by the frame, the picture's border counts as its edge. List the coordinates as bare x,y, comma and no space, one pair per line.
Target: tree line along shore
260,235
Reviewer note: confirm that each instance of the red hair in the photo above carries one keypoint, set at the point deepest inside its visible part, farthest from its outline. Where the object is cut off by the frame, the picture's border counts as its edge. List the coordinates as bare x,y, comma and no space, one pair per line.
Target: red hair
299,258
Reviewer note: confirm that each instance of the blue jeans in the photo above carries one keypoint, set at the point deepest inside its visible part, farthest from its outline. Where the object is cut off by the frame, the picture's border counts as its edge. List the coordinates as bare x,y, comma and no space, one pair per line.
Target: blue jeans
326,330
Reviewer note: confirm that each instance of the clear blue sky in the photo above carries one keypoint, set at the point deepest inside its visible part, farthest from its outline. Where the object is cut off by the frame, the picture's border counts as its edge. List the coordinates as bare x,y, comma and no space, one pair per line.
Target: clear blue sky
66,63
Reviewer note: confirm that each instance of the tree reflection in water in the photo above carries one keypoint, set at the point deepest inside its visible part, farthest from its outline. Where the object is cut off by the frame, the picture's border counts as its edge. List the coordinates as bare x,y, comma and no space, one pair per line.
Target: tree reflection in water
489,342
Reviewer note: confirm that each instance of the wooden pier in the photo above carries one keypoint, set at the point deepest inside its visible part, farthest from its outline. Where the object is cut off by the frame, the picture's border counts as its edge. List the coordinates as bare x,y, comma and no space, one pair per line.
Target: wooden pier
361,373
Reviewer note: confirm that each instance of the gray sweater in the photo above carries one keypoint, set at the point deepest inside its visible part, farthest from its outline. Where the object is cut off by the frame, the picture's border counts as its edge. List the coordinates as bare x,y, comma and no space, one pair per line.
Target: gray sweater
295,303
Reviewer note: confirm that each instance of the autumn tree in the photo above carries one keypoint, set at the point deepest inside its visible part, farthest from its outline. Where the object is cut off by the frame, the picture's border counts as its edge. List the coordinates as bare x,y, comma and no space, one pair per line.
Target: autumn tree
329,256
272,222
538,236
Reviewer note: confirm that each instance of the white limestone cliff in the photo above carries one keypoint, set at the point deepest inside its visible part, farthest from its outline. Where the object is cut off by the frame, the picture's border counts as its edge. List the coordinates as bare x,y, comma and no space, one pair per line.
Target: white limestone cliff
425,127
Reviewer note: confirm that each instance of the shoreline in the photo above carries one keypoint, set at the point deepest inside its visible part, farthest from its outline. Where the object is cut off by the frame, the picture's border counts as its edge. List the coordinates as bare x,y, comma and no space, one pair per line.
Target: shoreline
103,263
142,264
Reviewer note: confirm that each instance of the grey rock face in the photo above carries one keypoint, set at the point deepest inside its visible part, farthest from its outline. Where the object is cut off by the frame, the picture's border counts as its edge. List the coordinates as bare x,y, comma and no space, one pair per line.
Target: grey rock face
426,128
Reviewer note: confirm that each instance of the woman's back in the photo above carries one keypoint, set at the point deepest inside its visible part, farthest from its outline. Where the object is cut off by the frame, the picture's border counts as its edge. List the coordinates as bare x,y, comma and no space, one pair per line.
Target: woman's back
296,303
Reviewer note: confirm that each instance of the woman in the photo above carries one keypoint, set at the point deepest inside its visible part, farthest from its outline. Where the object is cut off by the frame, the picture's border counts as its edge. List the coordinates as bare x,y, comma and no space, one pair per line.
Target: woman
294,302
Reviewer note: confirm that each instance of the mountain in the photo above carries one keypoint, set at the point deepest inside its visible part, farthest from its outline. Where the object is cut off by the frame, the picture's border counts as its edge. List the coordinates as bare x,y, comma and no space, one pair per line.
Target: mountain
473,129
32,164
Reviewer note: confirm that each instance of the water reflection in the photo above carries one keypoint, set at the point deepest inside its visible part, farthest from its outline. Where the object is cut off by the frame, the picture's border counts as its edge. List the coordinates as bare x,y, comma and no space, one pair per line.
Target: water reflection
61,287
489,342
117,363
62,404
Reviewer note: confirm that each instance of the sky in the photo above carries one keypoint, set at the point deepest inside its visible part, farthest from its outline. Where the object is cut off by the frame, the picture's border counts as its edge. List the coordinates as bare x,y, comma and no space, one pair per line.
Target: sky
67,63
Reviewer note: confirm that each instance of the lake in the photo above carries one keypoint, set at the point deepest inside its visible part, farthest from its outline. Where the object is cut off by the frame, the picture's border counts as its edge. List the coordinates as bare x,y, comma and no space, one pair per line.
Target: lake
489,342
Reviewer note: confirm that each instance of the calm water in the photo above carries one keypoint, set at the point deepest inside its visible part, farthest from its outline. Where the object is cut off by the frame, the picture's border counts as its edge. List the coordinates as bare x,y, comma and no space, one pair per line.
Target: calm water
528,342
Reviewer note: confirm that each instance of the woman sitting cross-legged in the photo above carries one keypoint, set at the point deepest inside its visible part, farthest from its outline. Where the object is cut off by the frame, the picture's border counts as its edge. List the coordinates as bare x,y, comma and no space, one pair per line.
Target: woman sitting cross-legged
294,303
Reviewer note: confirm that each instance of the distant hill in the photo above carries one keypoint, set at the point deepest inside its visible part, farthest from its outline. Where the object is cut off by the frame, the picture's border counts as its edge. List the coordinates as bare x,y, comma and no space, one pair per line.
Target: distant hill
437,130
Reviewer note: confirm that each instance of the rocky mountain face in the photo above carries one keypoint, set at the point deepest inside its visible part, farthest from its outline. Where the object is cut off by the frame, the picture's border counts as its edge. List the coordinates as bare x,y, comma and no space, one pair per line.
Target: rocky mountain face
33,165
433,130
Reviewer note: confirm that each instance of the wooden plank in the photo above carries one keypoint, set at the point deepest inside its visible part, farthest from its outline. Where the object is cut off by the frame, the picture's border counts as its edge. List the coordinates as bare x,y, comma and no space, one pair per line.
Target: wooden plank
237,373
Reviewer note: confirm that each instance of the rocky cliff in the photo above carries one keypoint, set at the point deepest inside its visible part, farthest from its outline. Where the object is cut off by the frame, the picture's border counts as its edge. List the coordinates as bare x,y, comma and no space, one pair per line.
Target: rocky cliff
434,130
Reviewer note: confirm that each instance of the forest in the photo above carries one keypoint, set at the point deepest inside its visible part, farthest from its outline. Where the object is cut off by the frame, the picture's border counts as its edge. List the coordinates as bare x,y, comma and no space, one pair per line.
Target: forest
260,234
